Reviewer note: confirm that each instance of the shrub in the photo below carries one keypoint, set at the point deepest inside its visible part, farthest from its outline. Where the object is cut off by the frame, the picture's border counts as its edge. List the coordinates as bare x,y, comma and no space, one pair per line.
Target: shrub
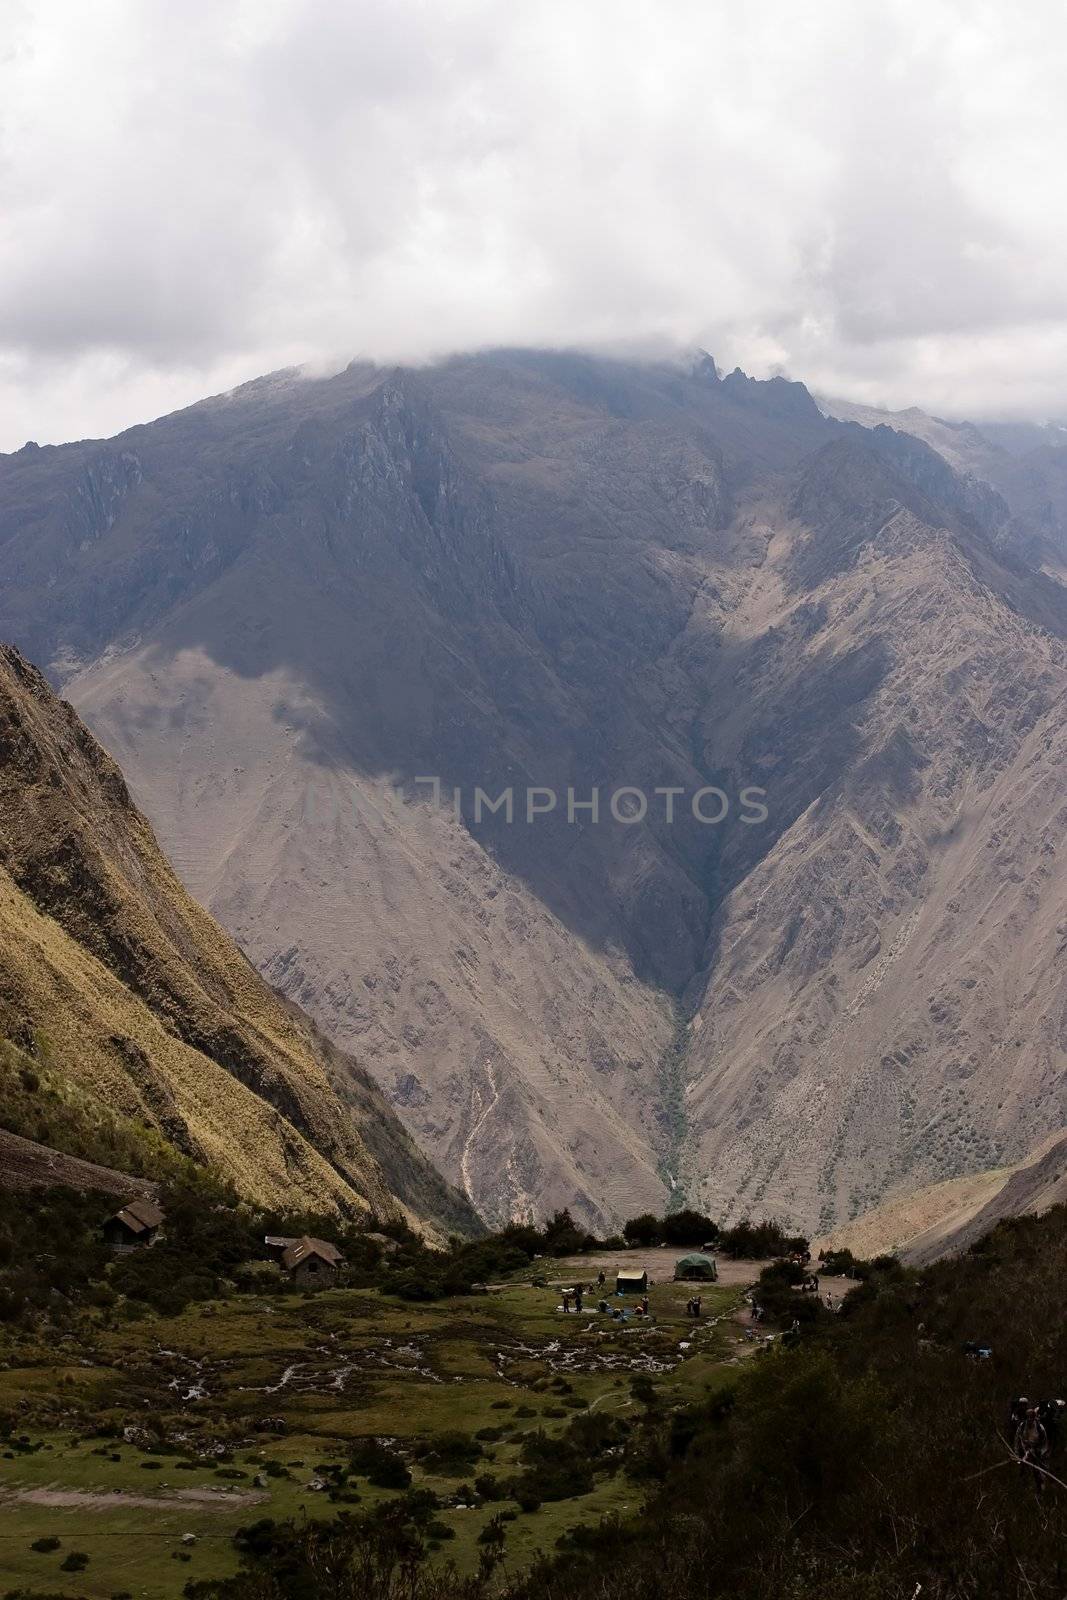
758,1240
493,1533
837,1263
555,1469
450,1452
563,1237
644,1230
689,1228
415,1285
379,1465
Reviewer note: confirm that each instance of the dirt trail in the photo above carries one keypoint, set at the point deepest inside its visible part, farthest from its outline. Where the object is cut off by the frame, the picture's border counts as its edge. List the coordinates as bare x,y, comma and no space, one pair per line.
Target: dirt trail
175,1500
26,1165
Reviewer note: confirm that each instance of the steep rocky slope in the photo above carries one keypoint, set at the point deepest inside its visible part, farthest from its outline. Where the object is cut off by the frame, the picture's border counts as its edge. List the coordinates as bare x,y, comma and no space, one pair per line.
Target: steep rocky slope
947,1218
1031,1188
1026,463
884,1000
285,607
109,969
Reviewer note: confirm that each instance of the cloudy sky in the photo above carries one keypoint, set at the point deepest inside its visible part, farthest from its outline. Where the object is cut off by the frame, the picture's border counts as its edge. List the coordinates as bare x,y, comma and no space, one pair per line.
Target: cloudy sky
866,194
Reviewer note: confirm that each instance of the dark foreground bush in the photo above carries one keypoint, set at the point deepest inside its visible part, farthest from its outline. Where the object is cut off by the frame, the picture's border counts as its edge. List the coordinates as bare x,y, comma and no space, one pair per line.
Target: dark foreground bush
381,1466
376,1556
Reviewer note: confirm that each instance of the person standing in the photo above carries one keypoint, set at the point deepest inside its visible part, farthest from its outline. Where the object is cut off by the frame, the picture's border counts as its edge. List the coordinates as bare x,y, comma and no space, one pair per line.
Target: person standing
1031,1443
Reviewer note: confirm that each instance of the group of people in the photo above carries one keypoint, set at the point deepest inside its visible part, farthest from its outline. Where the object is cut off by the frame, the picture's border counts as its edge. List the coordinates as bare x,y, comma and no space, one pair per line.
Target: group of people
620,1313
574,1299
692,1306
578,1293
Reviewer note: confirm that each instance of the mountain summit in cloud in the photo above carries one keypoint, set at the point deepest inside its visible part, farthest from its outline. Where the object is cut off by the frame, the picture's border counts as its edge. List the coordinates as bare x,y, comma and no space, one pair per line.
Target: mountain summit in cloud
852,193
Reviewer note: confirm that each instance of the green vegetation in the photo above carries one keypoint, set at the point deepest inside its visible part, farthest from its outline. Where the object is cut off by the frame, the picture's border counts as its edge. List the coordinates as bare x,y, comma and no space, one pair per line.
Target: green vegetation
358,1444
867,1458
44,1104
680,1228
174,1395
53,1261
864,1458
754,1241
51,1250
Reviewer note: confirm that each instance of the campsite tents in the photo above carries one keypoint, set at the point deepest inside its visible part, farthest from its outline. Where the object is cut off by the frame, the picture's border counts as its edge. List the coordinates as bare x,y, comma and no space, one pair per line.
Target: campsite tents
630,1281
698,1267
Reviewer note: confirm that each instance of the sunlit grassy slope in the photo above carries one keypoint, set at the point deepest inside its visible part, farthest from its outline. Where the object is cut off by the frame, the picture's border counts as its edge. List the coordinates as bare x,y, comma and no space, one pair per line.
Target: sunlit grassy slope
126,986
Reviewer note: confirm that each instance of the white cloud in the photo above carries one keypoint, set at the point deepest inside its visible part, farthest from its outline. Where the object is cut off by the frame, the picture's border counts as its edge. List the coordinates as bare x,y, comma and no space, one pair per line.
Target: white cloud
864,192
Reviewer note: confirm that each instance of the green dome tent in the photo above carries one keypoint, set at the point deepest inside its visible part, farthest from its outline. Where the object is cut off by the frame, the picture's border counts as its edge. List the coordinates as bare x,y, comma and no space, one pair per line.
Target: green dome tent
702,1268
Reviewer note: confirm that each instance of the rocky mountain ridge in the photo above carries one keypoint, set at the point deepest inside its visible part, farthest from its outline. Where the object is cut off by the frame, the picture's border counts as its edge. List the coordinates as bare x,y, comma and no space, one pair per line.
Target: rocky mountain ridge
284,608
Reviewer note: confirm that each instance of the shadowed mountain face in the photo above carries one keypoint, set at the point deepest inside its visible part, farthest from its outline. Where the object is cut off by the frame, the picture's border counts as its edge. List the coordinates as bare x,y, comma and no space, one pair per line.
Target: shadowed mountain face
284,609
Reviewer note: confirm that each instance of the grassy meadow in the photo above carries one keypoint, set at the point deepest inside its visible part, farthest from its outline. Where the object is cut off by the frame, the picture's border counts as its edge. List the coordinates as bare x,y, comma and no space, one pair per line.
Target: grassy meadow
134,1437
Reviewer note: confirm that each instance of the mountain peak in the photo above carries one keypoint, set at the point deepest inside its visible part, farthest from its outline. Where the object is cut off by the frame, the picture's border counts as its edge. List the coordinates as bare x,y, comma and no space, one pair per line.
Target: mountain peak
776,397
704,368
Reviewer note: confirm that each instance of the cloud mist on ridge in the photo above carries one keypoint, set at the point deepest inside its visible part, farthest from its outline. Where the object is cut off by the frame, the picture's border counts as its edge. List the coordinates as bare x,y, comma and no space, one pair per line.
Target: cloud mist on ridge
866,196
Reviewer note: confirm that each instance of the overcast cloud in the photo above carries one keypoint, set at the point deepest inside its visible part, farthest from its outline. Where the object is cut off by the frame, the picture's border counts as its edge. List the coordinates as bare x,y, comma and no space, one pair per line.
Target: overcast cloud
867,194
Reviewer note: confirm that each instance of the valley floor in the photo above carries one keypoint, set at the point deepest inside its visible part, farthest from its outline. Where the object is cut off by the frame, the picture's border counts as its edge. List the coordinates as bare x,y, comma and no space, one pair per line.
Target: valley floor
129,1439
